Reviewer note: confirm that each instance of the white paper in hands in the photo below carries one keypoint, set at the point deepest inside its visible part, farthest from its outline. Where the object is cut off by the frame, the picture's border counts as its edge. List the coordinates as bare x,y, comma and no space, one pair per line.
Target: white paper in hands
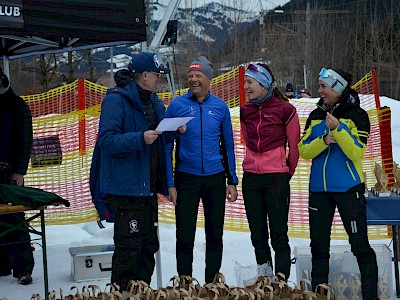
172,124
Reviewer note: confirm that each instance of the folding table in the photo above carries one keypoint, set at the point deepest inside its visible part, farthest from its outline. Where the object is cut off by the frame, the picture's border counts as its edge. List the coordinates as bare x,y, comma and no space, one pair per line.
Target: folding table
386,211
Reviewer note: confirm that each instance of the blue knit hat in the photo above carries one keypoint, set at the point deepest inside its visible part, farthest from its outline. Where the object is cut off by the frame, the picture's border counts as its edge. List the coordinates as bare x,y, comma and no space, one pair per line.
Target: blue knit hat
289,87
146,62
260,74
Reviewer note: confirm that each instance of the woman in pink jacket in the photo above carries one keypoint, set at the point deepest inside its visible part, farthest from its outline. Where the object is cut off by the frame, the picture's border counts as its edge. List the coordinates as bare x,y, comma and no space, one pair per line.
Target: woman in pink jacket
271,132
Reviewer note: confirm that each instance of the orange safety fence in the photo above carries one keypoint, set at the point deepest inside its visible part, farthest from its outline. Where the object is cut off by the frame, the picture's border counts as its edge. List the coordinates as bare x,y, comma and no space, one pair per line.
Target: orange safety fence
65,123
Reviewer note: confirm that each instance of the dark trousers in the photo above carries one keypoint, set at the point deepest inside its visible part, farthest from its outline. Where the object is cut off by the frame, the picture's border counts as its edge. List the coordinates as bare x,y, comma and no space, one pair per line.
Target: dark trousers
212,191
15,247
266,199
135,238
352,209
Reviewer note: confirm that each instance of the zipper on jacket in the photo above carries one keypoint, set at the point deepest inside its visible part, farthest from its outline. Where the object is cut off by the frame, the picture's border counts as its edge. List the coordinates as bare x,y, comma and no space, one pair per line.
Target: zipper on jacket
351,172
201,137
258,129
324,169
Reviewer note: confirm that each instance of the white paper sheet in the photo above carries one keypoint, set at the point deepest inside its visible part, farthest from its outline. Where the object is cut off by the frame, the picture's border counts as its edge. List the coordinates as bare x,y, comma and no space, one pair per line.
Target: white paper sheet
172,124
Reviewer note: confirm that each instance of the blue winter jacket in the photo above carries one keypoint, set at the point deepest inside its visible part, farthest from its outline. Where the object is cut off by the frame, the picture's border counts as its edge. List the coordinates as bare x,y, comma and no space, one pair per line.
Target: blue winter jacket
207,146
336,167
125,158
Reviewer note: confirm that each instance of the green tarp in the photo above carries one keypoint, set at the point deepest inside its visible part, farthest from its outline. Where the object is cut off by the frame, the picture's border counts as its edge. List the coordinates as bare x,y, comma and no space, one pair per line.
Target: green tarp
28,196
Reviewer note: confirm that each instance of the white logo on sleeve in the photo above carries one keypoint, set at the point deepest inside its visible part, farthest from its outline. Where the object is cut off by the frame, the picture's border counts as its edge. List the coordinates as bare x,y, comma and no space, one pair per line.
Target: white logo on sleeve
156,61
133,226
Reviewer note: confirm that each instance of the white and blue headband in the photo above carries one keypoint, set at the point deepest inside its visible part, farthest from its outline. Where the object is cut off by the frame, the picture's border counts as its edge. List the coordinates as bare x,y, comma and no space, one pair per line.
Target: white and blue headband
260,74
333,79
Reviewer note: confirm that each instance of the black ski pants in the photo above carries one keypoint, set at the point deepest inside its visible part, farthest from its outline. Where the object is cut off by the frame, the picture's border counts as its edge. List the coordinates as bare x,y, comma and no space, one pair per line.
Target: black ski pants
352,209
135,238
266,199
15,247
212,191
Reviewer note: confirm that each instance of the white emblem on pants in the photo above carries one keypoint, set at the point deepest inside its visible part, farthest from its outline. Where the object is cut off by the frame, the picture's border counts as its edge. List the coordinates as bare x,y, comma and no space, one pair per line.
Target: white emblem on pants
133,226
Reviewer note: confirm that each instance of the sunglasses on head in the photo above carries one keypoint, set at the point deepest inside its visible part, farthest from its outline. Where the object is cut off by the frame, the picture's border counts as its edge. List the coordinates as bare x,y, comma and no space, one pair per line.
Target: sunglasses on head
324,73
256,69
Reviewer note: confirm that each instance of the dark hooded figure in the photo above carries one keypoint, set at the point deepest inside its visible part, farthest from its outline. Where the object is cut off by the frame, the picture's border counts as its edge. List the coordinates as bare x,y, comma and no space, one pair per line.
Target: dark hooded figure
290,92
16,143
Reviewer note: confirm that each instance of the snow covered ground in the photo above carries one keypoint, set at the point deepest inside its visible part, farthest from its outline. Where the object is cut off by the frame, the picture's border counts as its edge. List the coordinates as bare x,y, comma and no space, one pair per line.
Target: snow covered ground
237,249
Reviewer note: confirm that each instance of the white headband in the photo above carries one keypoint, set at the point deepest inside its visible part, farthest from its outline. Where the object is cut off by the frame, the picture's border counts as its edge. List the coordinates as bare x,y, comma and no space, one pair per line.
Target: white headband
334,80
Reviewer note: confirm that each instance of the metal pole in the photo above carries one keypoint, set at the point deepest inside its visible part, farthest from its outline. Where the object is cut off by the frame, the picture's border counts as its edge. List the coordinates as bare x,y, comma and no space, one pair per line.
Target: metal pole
158,261
307,60
170,78
111,65
162,27
44,252
395,235
6,65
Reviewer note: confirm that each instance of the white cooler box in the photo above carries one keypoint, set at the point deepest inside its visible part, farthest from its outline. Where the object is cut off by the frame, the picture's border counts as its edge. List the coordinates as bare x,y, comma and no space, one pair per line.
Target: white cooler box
91,262
344,274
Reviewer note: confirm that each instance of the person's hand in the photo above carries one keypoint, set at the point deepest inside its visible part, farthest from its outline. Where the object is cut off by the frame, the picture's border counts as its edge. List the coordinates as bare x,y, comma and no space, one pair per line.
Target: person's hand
331,121
150,136
231,193
18,179
172,194
329,139
182,129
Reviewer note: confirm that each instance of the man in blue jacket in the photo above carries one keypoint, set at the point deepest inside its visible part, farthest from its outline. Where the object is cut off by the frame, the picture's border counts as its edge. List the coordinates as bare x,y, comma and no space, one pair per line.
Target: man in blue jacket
132,164
205,168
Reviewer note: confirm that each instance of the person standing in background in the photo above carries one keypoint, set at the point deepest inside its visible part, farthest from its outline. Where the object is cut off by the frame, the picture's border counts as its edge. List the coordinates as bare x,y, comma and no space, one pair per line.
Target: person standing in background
305,93
290,92
204,168
16,137
270,125
335,139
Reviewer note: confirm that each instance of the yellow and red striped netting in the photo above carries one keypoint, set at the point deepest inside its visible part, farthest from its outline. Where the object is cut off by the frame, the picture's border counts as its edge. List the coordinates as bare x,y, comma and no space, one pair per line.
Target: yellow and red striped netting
70,114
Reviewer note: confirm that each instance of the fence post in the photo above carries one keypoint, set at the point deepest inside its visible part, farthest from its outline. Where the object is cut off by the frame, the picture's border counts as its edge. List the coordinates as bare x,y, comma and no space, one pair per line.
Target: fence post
375,88
81,118
242,93
385,131
242,96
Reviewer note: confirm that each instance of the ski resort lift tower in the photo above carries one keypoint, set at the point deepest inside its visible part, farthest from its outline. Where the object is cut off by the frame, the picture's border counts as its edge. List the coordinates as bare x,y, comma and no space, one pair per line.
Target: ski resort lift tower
157,40
262,26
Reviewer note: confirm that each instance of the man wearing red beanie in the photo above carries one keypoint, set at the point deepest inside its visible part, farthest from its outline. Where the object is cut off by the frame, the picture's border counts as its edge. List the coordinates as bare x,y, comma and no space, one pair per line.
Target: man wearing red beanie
204,168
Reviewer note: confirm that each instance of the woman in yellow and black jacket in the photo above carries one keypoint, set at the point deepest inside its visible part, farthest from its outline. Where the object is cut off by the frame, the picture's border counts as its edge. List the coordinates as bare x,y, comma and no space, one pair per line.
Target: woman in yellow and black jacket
335,138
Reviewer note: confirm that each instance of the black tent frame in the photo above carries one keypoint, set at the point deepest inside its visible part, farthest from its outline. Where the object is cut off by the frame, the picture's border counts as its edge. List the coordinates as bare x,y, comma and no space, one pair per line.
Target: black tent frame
32,27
